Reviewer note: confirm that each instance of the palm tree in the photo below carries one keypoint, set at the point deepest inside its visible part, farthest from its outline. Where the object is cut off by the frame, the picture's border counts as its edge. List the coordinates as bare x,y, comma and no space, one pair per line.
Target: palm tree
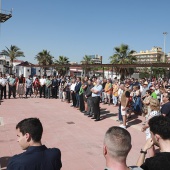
123,56
13,52
62,60
44,58
158,72
87,60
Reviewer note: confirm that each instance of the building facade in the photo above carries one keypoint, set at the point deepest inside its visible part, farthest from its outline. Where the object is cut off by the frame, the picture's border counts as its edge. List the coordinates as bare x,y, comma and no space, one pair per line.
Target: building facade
154,55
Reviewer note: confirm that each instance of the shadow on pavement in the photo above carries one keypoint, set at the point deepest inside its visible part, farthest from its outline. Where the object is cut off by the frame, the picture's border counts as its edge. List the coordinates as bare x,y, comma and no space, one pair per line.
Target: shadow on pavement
4,162
108,115
134,122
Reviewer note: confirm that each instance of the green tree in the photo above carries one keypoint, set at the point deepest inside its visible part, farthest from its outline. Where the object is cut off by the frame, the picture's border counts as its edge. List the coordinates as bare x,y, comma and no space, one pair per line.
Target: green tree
45,59
123,55
87,60
62,60
158,72
13,52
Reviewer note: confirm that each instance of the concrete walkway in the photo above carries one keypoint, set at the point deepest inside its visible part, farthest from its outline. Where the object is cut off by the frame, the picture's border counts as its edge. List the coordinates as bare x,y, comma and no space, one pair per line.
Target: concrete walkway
79,138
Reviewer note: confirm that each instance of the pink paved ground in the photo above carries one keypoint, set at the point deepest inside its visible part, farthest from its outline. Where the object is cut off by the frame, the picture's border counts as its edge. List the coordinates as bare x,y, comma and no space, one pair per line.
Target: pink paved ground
80,143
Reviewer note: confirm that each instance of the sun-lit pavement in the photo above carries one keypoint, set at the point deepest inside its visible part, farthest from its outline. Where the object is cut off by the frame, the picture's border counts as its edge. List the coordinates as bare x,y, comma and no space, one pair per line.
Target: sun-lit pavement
79,138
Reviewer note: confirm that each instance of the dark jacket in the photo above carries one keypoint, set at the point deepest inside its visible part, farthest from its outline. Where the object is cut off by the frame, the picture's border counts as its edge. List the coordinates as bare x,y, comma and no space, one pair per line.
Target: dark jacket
77,87
36,158
88,91
55,83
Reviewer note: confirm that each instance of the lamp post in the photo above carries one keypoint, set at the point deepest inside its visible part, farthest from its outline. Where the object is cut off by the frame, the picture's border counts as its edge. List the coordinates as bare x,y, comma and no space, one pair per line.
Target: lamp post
164,33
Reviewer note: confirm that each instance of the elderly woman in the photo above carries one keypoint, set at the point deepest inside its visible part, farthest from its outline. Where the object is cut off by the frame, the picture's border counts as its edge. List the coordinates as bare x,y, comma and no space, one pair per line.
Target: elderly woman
155,111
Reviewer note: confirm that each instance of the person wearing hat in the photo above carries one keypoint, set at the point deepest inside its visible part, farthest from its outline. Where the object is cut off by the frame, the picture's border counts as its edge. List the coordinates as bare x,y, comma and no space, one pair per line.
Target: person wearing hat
153,95
155,111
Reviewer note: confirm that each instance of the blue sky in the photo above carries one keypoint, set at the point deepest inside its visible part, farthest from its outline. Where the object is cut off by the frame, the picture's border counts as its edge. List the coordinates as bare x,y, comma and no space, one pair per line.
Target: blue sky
75,28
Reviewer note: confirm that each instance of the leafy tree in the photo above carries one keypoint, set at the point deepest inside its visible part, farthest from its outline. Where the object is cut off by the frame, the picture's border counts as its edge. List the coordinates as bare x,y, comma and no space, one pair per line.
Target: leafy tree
13,52
158,72
45,59
62,60
123,55
87,60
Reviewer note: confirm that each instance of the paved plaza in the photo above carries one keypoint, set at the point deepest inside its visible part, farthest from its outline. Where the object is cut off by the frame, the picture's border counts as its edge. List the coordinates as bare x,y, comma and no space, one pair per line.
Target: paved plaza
79,138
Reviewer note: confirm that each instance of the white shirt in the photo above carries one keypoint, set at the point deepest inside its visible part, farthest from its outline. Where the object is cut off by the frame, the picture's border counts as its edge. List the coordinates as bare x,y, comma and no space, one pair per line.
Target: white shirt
42,81
72,87
3,81
34,78
120,92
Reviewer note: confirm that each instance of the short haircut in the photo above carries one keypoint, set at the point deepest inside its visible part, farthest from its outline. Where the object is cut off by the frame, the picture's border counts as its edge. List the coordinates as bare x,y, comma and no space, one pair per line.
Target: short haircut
32,126
168,95
149,92
118,142
160,125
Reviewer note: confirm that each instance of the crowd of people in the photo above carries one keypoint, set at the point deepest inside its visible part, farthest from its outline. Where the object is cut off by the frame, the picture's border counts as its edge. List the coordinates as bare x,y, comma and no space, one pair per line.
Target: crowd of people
149,98
136,96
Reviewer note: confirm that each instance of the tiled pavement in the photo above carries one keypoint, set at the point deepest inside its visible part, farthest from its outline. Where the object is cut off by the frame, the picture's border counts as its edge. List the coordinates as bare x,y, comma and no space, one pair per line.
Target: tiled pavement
79,138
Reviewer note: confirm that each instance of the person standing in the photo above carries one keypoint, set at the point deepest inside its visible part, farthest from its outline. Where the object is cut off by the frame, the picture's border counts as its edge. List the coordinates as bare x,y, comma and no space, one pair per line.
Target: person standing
28,84
96,93
12,86
124,104
115,87
36,85
72,89
4,82
120,92
77,89
108,91
88,95
54,87
42,86
21,84
48,87
84,86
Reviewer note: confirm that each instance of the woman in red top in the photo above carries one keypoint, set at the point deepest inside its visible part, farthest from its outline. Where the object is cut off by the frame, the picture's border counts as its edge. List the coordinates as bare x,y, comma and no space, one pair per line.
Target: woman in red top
36,85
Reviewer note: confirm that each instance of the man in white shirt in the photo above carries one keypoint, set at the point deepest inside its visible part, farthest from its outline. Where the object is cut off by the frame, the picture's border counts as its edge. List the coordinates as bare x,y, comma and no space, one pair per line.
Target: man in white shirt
3,83
42,86
96,93
120,92
72,89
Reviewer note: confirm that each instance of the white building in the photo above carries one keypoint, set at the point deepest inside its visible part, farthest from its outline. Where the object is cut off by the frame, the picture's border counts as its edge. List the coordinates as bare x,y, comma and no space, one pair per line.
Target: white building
4,64
27,69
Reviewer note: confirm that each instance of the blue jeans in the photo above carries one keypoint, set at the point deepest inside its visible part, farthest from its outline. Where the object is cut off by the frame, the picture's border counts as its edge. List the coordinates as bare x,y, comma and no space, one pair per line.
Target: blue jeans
77,100
114,100
48,92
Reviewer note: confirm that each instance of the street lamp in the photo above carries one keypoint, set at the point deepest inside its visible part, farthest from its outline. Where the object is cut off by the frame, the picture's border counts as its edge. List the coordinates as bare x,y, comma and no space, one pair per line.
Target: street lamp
164,33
